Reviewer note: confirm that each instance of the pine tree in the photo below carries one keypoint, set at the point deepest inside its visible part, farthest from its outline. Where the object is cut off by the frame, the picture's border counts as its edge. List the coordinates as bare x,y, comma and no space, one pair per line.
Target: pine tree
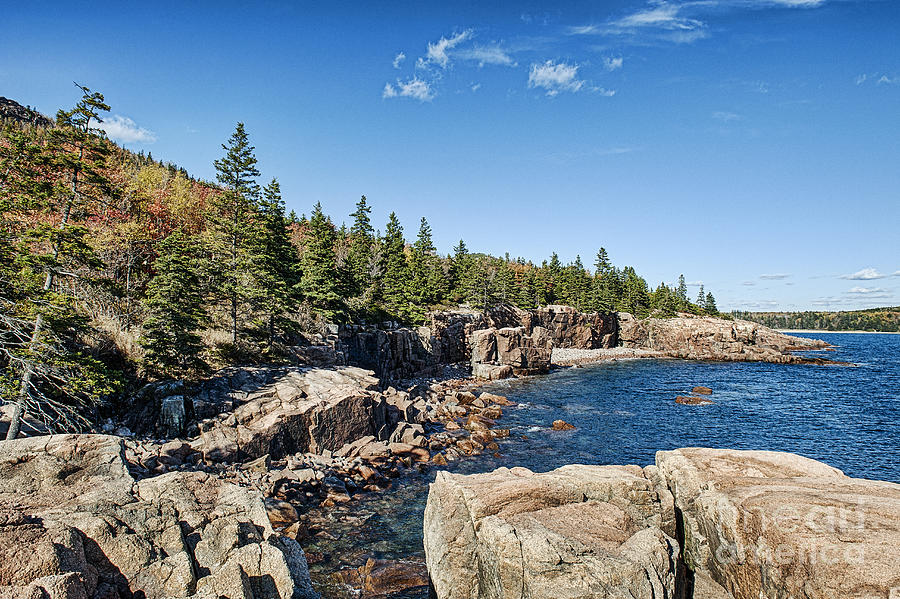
320,281
231,218
701,299
636,297
175,311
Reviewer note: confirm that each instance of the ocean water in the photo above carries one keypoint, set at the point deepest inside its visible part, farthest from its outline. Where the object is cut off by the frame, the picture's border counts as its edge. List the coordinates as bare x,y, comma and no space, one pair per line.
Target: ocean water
624,412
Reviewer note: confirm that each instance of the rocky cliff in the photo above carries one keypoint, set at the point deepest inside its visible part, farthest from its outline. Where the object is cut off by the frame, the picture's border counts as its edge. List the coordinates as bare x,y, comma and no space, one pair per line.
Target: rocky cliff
700,523
10,110
707,338
74,524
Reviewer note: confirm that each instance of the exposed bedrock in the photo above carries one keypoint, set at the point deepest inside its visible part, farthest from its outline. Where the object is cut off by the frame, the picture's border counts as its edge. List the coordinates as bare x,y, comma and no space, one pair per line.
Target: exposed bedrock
707,338
701,523
74,524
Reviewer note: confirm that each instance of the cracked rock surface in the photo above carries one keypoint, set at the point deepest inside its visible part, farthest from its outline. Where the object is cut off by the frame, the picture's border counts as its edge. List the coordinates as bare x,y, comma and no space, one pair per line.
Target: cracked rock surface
699,524
75,524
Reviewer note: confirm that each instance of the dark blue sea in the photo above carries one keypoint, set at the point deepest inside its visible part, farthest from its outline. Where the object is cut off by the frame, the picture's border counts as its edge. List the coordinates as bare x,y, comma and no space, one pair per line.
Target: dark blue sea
624,412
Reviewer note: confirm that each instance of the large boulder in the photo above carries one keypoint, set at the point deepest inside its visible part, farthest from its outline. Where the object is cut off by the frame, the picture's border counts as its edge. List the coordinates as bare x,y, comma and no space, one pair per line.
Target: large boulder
579,531
749,524
770,524
509,347
707,338
74,523
302,410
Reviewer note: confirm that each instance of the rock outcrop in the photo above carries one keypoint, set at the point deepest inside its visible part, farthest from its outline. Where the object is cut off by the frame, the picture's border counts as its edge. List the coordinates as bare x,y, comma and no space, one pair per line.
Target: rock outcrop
10,110
74,524
707,338
300,410
497,353
566,327
579,531
701,524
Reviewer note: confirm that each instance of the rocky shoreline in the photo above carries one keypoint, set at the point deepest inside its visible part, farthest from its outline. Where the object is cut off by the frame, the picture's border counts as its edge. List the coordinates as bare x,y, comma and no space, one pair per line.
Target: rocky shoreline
301,441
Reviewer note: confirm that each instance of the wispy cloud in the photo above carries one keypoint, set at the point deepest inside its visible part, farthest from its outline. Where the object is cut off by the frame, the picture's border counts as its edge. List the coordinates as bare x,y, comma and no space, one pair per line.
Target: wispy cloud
411,88
885,80
555,77
123,129
867,290
438,52
399,59
866,274
726,117
493,55
613,63
679,22
775,277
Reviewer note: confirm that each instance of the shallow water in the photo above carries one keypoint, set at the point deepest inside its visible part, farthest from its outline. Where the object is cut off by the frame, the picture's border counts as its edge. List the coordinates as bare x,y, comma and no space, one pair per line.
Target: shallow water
624,412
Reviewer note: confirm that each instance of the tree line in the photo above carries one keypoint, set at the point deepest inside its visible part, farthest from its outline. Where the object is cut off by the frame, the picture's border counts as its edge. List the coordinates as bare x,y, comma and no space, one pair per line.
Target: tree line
874,319
113,264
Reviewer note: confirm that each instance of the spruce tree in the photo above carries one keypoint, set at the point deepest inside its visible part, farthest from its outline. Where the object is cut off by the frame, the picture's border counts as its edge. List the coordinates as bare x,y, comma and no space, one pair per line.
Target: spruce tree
682,292
231,217
277,265
175,311
394,269
362,249
710,305
320,280
701,299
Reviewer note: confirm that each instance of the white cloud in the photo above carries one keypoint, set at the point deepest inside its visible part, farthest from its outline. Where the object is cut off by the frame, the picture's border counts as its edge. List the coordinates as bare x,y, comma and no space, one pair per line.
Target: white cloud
726,117
749,283
124,130
399,59
860,79
475,87
411,88
866,274
555,77
663,15
885,80
438,52
867,290
799,3
483,55
613,63
774,277
609,93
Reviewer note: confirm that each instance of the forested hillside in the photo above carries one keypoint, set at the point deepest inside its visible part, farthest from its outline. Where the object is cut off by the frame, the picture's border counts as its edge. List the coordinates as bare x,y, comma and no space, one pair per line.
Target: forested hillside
874,319
115,266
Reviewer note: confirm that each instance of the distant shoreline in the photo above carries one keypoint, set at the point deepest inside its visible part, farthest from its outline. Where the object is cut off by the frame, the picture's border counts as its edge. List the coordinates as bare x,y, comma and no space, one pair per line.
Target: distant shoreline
827,331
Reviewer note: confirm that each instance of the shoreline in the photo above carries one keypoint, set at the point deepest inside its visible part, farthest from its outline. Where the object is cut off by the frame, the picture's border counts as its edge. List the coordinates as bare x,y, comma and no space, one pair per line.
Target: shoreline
818,331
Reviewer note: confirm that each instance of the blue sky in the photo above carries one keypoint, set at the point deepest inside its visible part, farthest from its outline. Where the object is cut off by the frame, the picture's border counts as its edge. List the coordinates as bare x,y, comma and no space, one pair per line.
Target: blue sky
753,145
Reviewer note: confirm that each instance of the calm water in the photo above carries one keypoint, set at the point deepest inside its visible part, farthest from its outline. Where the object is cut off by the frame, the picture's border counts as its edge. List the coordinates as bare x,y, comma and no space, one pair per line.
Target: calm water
624,412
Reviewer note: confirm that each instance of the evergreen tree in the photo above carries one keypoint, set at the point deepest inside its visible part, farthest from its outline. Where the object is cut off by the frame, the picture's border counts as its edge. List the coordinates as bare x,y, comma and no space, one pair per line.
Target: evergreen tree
231,216
320,281
425,285
394,269
636,298
710,305
682,293
701,299
362,249
60,177
276,261
174,310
